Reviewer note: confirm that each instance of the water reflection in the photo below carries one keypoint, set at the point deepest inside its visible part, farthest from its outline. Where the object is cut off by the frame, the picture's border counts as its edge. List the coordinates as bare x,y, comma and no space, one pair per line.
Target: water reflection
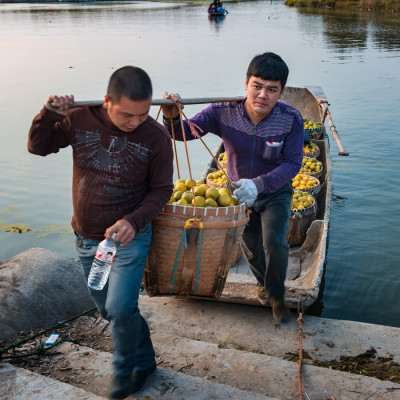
216,21
185,51
347,30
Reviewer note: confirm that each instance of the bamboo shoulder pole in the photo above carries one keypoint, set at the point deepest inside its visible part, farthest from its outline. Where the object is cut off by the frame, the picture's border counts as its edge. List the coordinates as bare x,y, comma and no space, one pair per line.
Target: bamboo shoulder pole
161,102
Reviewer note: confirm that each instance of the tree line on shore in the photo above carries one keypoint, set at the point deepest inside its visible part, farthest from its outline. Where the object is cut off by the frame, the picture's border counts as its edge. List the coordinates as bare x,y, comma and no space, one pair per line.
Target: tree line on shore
369,5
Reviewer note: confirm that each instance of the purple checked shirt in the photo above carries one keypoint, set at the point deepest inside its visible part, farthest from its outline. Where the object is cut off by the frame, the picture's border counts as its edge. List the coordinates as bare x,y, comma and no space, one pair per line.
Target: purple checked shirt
269,153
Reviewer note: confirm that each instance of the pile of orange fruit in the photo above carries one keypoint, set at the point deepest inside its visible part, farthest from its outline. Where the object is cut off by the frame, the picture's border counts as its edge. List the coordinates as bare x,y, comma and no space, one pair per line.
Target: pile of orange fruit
188,192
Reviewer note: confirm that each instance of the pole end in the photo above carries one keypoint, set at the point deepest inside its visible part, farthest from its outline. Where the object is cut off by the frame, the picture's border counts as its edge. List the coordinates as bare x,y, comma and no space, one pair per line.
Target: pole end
343,153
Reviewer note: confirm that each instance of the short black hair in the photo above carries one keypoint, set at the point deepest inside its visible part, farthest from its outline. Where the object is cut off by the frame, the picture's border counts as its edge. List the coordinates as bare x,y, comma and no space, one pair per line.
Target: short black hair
270,67
131,82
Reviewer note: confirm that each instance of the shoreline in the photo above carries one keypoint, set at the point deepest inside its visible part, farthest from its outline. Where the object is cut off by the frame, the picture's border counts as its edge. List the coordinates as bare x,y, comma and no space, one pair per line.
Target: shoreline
362,5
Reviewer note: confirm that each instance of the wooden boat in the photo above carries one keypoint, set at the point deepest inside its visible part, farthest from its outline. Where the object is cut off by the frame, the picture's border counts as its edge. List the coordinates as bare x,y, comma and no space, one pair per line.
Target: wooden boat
213,13
216,14
306,262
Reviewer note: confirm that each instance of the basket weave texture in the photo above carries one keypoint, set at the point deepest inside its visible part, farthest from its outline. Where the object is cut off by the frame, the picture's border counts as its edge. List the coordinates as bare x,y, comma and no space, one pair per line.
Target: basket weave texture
315,133
299,222
174,269
214,185
313,154
314,174
312,190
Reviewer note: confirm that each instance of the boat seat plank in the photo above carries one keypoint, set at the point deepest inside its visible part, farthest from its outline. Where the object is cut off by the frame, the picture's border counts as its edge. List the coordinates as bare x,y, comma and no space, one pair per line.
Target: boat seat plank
242,268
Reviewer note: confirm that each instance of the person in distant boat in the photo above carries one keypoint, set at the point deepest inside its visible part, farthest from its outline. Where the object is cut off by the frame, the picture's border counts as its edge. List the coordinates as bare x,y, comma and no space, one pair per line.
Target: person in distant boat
217,7
122,177
263,139
212,9
220,8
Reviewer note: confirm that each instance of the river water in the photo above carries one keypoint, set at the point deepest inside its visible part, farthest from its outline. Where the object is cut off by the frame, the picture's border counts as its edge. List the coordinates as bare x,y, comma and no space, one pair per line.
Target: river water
355,56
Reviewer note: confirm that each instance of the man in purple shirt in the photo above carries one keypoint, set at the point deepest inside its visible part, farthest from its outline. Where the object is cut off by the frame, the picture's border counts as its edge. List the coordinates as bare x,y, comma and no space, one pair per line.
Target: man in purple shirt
263,138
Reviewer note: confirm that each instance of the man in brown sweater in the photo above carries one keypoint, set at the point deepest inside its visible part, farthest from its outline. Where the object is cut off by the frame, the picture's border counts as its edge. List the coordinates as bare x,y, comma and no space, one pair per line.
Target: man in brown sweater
122,177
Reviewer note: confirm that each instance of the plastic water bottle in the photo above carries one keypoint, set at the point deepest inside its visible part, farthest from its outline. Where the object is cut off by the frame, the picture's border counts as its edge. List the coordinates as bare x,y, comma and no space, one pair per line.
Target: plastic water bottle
102,262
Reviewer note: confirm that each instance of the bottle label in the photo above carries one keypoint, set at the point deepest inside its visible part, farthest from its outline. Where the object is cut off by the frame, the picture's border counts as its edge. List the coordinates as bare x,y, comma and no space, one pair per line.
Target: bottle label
105,253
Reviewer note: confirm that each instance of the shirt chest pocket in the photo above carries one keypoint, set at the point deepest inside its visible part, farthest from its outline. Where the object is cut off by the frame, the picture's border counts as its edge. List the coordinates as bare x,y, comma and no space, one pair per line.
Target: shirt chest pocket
271,147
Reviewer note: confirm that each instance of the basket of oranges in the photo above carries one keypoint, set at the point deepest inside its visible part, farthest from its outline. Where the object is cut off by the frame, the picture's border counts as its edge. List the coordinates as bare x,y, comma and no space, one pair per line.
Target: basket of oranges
312,167
306,183
304,211
314,129
311,150
195,240
216,179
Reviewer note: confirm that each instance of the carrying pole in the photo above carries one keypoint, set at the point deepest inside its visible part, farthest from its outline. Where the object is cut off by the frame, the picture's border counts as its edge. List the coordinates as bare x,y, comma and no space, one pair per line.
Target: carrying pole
162,102
327,115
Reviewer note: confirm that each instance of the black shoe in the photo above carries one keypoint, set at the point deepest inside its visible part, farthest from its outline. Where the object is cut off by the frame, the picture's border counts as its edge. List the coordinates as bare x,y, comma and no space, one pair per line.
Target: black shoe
139,377
280,310
121,387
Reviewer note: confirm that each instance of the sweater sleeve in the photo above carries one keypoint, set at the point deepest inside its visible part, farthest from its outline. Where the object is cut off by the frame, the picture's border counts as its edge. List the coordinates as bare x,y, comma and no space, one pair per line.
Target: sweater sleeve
48,133
160,185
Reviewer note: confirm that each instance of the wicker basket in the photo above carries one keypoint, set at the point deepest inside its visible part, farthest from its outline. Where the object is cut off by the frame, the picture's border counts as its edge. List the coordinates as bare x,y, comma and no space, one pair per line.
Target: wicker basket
299,222
313,154
314,174
214,185
312,190
314,133
173,269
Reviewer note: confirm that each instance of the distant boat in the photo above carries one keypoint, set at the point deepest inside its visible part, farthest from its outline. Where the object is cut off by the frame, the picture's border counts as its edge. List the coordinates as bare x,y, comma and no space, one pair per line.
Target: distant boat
212,11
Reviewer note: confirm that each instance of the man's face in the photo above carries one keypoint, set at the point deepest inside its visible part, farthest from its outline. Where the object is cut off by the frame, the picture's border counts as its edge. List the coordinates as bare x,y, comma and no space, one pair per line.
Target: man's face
261,96
127,115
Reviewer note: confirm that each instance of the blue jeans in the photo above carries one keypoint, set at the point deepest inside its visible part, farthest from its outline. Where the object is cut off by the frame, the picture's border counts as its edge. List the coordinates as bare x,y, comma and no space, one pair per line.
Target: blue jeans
118,301
264,241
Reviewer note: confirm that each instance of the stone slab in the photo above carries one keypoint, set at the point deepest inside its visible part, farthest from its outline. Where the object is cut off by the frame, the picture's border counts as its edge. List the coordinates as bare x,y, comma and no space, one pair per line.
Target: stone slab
253,329
93,366
265,374
190,369
20,384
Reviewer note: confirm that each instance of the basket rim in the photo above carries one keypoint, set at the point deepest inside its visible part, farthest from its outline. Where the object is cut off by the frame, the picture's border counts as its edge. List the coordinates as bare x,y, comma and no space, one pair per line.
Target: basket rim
190,211
314,205
315,188
214,185
316,154
317,129
313,174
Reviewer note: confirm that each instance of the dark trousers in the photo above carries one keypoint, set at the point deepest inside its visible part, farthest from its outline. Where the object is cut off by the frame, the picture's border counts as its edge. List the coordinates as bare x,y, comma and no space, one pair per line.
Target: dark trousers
264,240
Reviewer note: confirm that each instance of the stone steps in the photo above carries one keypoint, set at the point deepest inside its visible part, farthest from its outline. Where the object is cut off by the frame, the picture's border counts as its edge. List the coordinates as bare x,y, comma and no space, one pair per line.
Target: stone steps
21,384
252,329
190,369
206,349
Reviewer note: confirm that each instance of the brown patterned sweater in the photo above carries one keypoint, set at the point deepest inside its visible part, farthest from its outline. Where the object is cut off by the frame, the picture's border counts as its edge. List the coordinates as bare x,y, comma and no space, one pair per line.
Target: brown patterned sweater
115,174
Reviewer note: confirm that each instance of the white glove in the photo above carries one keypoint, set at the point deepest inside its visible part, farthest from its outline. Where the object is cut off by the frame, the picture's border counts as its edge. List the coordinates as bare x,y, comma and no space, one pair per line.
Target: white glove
246,192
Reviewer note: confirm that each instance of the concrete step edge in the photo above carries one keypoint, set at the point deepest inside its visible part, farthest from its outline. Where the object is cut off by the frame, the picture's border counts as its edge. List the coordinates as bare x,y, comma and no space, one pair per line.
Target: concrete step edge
186,362
93,367
21,384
